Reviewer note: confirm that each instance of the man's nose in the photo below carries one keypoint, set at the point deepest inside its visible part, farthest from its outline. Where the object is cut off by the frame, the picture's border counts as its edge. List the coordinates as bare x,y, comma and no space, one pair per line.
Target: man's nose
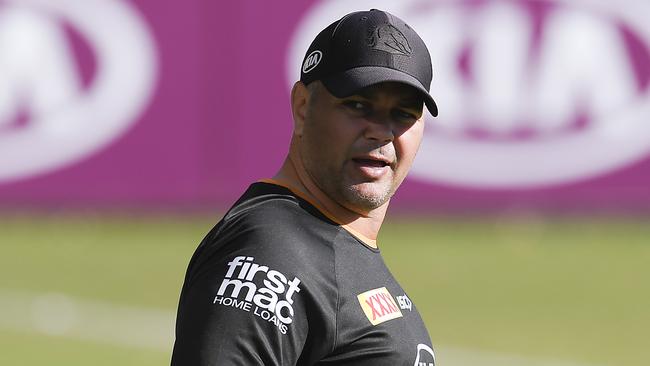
379,128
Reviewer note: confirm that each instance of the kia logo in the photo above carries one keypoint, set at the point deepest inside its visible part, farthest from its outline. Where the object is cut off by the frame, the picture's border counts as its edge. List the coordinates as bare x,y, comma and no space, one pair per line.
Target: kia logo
55,107
531,93
312,61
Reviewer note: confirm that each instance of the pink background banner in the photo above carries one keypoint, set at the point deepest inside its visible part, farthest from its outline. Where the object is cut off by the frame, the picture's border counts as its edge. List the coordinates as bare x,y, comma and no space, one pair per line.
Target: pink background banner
544,105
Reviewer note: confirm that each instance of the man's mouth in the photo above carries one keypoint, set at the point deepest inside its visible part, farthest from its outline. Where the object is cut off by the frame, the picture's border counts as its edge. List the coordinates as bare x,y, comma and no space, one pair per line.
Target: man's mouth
375,163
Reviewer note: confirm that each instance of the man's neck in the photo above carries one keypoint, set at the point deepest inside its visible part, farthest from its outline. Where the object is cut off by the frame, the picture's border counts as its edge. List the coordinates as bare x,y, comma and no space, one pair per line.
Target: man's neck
293,174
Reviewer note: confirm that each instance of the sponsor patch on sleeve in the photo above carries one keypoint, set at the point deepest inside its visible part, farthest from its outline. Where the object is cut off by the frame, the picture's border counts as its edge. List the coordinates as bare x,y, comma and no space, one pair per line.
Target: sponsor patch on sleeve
257,289
379,305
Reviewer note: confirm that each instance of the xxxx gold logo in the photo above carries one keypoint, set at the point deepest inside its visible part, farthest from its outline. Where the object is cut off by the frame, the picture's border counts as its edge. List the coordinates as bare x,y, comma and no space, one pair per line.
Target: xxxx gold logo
379,306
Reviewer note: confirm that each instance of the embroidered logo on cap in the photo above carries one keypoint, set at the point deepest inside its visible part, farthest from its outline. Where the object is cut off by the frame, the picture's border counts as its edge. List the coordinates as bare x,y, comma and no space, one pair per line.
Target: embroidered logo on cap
312,61
379,306
390,39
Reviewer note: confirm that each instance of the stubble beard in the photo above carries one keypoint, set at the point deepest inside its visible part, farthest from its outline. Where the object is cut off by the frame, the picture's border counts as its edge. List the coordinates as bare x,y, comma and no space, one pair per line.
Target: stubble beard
360,197
366,198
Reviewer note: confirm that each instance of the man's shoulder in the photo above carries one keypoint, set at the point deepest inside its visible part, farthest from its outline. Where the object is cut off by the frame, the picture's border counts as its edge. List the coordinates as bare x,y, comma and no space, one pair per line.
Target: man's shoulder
271,217
271,226
273,205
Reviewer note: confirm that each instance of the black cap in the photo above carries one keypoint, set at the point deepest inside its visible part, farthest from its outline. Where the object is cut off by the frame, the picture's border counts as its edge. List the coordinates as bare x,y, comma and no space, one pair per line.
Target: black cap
365,48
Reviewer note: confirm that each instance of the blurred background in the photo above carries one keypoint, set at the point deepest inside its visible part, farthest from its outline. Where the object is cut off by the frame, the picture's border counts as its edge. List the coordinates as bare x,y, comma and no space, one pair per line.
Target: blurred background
127,128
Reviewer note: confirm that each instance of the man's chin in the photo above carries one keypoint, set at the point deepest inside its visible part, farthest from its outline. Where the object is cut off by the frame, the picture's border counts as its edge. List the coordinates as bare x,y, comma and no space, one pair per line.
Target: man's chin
368,196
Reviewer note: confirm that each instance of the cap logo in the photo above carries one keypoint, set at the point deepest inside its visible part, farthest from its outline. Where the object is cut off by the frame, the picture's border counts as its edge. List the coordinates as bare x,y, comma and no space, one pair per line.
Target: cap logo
312,61
388,38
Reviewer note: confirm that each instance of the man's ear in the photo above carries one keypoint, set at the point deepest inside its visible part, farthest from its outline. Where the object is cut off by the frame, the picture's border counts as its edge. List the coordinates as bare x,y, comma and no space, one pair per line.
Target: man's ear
299,101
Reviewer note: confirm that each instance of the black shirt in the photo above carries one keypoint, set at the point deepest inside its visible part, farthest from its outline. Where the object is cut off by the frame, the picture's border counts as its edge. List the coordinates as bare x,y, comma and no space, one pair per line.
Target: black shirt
276,282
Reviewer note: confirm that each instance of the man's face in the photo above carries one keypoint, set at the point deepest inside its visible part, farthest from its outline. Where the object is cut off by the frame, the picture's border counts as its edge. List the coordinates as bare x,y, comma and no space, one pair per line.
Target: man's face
359,149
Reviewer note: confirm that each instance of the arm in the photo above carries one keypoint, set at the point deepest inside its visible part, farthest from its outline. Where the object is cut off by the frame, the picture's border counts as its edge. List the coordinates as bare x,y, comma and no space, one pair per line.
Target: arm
252,298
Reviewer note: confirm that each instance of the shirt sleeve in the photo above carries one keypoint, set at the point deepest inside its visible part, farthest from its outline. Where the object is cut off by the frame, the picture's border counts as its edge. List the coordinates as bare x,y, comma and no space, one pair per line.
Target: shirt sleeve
256,294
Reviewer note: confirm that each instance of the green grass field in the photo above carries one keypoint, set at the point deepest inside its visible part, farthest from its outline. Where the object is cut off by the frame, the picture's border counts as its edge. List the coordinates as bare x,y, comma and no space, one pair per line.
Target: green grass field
522,290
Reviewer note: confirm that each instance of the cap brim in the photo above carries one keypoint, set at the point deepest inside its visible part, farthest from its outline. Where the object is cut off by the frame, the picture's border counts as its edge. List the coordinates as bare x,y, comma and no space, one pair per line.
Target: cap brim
349,82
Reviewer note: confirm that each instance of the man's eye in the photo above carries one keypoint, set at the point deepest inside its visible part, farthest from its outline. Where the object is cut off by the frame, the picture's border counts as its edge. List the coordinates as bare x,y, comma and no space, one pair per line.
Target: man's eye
405,115
357,106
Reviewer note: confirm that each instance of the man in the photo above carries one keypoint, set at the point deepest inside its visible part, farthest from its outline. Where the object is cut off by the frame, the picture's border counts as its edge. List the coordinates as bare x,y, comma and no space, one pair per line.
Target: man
292,274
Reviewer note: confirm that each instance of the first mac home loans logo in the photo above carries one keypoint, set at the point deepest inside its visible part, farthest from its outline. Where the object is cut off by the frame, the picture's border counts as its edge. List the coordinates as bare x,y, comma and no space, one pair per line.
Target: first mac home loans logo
271,301
74,76
531,92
